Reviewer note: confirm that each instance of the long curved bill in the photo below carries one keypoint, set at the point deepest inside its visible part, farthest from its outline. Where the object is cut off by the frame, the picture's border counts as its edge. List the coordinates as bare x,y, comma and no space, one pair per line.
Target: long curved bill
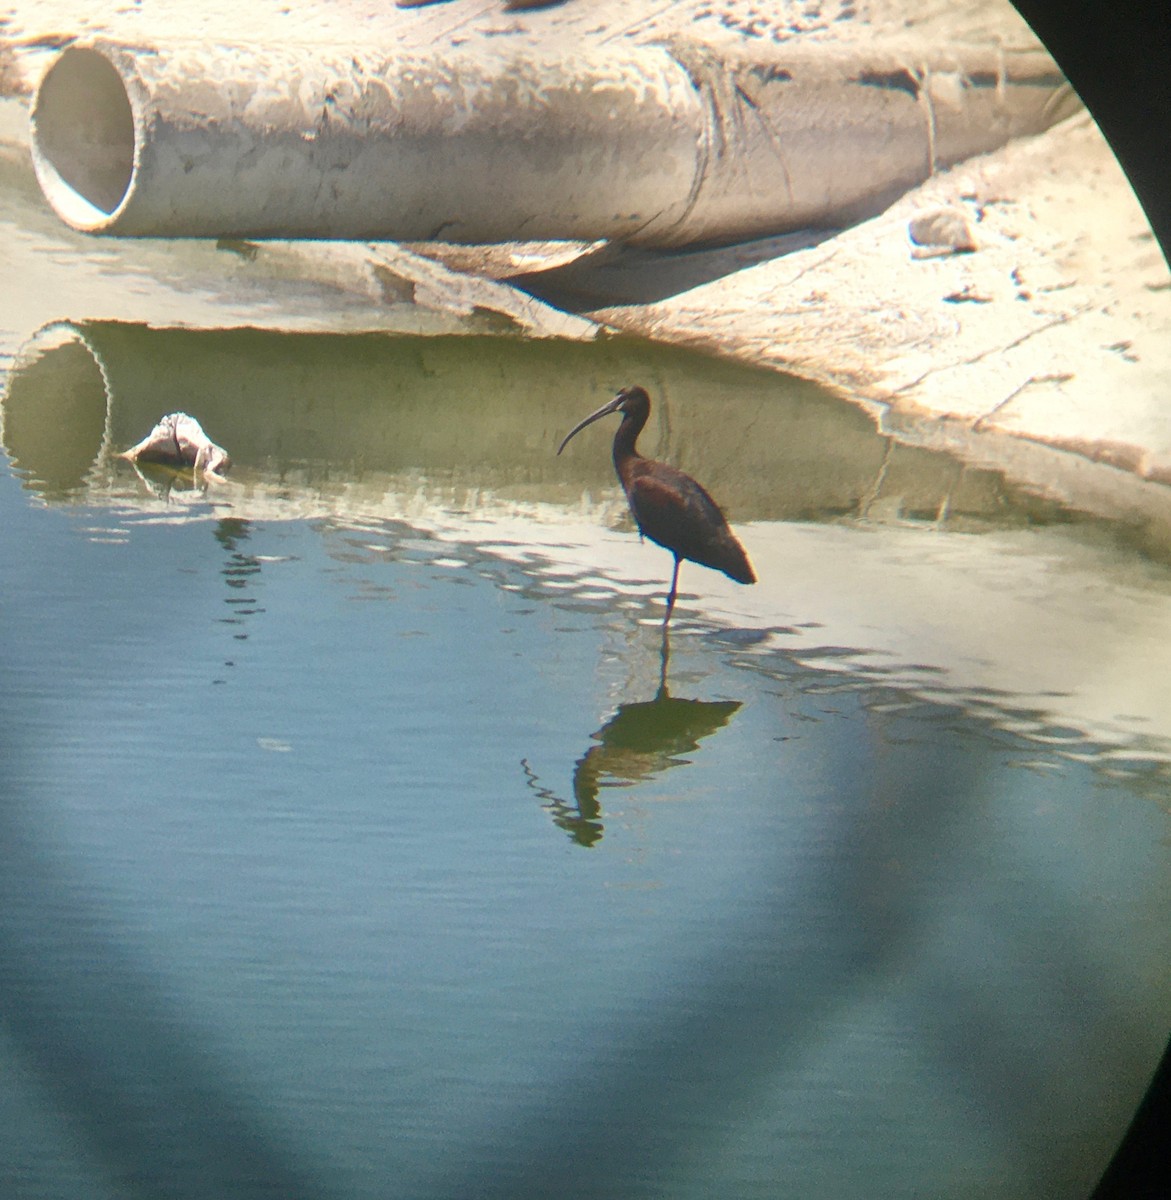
606,409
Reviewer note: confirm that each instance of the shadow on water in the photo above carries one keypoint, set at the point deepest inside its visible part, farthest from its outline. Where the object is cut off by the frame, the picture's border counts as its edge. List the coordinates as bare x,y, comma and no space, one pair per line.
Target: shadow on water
638,743
753,1012
158,1108
163,1113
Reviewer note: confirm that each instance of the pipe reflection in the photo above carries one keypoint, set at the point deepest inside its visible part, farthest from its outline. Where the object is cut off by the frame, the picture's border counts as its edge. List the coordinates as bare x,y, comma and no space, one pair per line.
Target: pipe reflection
473,414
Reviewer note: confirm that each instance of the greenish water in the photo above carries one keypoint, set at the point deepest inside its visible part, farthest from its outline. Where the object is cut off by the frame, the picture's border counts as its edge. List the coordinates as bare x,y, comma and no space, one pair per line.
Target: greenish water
352,846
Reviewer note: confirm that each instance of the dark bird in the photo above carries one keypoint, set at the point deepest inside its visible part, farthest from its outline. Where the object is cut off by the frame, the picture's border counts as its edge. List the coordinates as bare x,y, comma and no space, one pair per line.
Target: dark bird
669,507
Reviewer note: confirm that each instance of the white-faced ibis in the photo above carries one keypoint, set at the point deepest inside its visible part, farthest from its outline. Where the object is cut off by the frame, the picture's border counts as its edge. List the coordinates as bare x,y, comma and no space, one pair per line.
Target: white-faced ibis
668,506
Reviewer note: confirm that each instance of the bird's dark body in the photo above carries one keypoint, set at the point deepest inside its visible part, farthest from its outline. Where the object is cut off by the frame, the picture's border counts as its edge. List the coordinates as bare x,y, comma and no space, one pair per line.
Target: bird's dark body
677,513
668,505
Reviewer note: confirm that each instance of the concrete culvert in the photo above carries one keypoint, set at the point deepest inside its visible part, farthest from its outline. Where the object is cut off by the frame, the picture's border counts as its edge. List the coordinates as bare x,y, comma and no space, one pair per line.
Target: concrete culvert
636,143
203,140
84,134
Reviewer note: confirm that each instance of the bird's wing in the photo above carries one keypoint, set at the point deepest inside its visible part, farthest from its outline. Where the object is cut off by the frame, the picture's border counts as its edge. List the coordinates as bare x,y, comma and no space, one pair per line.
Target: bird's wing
672,509
675,511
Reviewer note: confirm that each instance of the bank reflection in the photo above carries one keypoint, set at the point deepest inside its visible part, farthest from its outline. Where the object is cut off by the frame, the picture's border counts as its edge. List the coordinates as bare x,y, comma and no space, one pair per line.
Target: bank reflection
453,418
641,741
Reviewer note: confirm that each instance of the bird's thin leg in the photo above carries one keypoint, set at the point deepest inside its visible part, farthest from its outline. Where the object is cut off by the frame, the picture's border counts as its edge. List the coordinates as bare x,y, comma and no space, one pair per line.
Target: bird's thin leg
671,593
664,659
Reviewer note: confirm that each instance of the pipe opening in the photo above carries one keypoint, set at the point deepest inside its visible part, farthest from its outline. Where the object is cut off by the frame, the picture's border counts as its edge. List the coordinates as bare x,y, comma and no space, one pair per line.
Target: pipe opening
54,411
83,138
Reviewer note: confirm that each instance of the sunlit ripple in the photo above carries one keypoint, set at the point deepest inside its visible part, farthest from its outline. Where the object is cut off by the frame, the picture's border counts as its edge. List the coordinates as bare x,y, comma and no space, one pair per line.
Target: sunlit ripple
586,566
945,617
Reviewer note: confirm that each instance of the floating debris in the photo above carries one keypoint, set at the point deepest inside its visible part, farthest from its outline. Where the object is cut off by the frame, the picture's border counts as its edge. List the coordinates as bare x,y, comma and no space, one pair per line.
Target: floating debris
179,440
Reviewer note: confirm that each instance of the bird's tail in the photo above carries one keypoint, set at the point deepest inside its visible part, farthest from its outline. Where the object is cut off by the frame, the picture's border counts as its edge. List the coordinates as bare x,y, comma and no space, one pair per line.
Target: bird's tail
741,571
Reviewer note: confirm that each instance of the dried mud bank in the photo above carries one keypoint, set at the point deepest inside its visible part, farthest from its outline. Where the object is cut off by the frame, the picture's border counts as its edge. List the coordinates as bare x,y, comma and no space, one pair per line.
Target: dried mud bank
1051,321
1033,336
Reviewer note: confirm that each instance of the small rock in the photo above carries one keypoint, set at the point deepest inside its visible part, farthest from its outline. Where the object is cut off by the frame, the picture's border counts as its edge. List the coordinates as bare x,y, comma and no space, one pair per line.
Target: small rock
942,231
967,295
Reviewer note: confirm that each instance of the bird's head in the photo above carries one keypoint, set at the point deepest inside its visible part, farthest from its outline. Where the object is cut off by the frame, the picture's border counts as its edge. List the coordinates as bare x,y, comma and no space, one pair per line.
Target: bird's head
631,402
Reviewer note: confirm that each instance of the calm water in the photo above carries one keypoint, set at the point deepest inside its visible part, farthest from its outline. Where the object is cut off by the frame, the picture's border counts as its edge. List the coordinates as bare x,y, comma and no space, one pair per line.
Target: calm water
353,846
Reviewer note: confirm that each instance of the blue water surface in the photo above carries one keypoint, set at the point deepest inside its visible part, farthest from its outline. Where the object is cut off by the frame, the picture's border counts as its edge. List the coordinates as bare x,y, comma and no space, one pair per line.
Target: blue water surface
341,861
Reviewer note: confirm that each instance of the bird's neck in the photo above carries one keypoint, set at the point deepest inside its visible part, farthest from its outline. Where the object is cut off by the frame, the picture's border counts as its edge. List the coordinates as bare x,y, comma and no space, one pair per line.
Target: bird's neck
625,439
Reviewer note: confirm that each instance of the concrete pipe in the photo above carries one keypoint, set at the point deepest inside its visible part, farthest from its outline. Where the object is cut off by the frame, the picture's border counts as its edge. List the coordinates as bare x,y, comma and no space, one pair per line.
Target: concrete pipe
203,140
640,144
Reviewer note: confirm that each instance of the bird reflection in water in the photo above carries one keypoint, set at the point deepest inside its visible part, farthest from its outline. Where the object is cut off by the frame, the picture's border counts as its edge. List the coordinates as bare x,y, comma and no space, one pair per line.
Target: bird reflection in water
165,481
641,740
241,572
